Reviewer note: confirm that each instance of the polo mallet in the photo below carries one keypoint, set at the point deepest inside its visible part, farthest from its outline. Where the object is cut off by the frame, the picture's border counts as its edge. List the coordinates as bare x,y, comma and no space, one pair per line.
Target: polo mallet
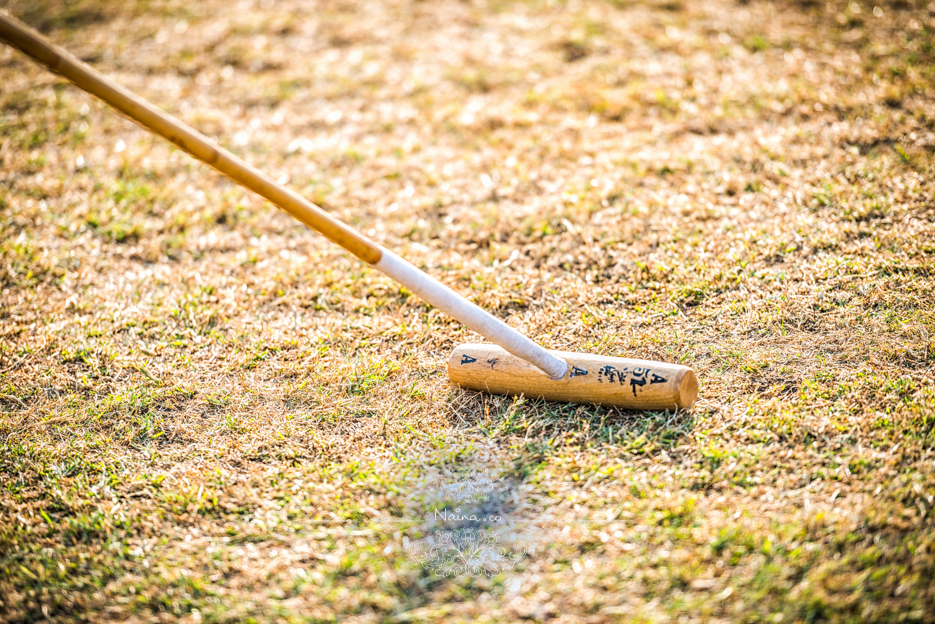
515,366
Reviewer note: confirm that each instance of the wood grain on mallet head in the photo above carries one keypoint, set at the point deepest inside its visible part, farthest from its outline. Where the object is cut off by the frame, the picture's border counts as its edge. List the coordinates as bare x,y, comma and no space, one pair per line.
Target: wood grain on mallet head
603,380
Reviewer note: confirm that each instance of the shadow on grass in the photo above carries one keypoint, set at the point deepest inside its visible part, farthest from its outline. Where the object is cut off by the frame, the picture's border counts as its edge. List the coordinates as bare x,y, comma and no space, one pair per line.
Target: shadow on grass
546,427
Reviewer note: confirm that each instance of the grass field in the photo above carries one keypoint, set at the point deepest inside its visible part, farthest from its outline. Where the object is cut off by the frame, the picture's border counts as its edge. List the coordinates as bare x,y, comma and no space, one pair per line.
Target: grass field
209,413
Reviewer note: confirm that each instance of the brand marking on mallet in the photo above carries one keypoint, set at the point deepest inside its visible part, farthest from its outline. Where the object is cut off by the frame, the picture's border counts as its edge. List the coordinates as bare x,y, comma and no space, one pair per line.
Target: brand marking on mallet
467,359
575,371
638,376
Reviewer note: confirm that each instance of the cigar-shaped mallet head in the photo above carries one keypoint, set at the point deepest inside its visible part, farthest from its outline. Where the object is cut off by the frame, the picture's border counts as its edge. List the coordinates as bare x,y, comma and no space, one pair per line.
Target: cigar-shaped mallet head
602,380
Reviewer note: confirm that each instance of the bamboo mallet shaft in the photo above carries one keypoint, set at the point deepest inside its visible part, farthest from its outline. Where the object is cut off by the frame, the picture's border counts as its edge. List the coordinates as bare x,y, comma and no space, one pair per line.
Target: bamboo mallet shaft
30,42
518,366
33,44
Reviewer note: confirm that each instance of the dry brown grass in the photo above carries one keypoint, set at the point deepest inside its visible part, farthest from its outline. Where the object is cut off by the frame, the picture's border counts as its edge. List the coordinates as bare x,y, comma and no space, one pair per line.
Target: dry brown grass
209,413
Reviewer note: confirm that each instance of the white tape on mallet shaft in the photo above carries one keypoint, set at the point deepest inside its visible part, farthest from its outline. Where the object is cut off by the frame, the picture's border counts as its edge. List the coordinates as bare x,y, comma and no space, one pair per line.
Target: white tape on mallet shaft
472,316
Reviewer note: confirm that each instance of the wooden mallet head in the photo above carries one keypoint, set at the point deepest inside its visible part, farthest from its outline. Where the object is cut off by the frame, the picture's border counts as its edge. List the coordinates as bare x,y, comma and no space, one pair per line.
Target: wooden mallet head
603,380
